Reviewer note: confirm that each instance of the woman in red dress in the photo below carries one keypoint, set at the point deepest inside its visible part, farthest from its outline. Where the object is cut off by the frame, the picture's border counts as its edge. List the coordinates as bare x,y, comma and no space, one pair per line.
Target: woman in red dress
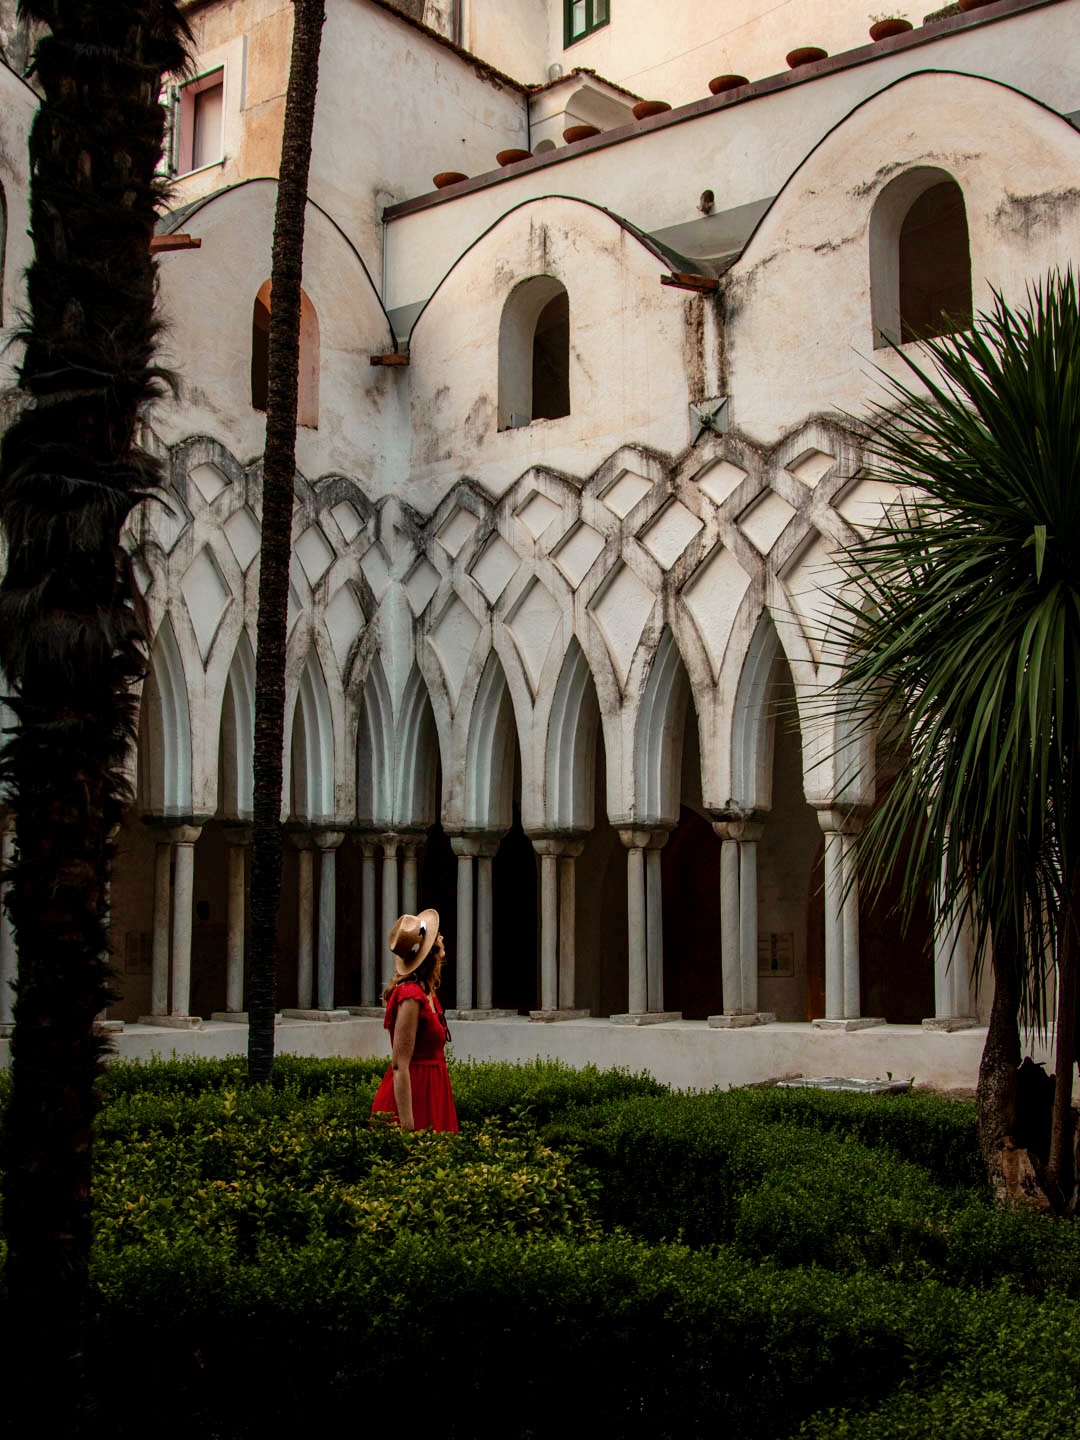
416,1088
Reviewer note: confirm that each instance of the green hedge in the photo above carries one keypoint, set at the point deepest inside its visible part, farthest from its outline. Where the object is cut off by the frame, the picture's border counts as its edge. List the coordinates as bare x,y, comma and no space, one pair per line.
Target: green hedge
499,1339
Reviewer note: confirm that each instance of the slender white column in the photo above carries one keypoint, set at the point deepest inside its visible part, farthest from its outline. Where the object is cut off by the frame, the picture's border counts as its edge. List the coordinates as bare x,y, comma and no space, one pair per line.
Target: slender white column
567,919
638,987
183,898
549,931
237,840
368,927
748,920
731,929
409,888
654,925
485,977
463,848
850,924
305,915
327,841
953,955
159,955
8,961
834,928
390,911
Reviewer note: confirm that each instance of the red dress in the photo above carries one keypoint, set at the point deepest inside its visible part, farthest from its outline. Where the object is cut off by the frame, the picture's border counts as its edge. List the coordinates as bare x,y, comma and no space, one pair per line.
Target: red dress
432,1098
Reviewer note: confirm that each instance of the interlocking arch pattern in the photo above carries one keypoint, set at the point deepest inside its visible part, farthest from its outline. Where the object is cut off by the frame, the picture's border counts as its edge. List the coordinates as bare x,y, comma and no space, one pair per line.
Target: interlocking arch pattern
920,258
307,402
534,353
165,731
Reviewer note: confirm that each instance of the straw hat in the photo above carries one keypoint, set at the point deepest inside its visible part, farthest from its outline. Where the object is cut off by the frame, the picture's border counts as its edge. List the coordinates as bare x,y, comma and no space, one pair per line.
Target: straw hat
411,940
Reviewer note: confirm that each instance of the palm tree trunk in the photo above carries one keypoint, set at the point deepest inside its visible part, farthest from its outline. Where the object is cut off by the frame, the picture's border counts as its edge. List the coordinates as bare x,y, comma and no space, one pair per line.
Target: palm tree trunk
1060,1177
279,472
71,643
996,1093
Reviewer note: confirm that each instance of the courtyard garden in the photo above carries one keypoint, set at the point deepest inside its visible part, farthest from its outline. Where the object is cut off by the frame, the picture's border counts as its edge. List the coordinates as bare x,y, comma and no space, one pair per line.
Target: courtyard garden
593,1254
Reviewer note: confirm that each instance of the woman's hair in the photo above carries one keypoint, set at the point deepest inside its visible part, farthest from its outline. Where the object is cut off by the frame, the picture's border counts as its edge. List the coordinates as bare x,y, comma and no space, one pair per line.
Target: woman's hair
428,974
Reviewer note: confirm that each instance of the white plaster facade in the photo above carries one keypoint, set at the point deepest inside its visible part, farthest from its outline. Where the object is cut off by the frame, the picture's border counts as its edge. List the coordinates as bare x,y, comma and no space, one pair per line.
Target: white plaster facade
559,676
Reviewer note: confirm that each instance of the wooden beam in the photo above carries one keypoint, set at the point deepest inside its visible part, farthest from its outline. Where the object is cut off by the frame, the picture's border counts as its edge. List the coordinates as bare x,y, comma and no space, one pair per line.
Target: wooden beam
158,243
393,358
679,280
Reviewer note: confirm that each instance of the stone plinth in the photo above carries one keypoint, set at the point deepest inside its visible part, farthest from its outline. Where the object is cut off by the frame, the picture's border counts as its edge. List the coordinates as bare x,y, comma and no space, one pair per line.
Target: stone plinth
858,1022
946,1024
316,1014
479,1013
370,1012
739,1022
173,1022
646,1017
548,1017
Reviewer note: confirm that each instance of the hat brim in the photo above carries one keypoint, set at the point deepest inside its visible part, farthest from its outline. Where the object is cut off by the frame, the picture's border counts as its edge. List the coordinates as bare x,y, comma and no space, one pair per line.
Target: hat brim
430,920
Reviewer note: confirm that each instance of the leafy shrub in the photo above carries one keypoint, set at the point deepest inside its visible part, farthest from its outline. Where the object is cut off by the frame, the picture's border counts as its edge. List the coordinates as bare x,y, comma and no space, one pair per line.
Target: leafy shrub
541,1089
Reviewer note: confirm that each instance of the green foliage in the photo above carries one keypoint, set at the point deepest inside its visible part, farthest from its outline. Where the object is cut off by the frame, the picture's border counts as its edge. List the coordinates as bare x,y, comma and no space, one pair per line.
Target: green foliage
641,1263
963,629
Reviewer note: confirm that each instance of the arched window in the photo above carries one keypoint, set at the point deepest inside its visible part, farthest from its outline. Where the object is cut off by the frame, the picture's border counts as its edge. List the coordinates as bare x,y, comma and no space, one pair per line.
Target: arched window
534,353
307,407
920,260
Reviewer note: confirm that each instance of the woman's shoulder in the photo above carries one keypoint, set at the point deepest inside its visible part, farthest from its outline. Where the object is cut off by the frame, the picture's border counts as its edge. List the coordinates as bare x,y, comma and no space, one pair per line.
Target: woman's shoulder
407,990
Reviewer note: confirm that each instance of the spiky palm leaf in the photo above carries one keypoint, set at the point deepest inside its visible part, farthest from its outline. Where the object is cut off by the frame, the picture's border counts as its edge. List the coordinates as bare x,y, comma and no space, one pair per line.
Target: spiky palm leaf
967,621
965,624
71,643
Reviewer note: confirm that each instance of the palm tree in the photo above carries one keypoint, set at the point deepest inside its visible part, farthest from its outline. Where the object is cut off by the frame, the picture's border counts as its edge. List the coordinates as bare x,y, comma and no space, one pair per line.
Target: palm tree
279,474
965,622
72,645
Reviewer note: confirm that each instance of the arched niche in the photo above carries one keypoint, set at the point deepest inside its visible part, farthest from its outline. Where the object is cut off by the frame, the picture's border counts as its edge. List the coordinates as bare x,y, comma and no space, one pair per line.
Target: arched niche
307,399
920,258
164,748
658,737
491,755
417,757
374,750
570,752
534,353
237,748
311,779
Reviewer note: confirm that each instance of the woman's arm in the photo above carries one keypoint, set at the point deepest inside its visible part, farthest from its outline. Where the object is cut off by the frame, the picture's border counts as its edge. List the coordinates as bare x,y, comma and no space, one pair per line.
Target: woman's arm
405,1026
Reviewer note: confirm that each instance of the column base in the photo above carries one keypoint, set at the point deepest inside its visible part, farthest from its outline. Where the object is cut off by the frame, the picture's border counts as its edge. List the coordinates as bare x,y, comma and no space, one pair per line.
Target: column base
108,1027
946,1024
549,1017
859,1022
173,1022
646,1017
371,1012
740,1022
478,1013
316,1015
7,1029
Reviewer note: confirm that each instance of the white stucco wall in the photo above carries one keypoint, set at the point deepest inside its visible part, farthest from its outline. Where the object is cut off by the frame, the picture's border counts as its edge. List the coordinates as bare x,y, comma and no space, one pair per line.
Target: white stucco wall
743,152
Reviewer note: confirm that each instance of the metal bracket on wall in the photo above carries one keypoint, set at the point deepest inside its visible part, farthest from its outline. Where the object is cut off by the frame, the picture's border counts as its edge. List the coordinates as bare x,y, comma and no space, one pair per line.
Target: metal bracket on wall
709,415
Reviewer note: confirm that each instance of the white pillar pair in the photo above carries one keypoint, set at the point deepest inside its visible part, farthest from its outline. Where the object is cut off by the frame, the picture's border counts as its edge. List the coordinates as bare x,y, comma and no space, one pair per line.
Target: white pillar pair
842,992
645,928
954,955
558,905
475,925
317,945
739,923
174,894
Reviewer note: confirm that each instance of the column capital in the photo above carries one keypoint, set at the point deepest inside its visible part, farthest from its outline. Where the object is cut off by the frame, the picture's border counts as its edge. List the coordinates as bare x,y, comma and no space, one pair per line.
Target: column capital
329,839
303,839
747,829
481,843
561,845
237,832
645,837
173,829
848,820
390,840
186,834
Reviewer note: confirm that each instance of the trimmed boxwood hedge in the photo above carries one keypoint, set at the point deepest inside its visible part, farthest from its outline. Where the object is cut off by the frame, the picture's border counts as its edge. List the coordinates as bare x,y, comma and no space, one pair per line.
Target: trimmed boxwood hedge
593,1251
